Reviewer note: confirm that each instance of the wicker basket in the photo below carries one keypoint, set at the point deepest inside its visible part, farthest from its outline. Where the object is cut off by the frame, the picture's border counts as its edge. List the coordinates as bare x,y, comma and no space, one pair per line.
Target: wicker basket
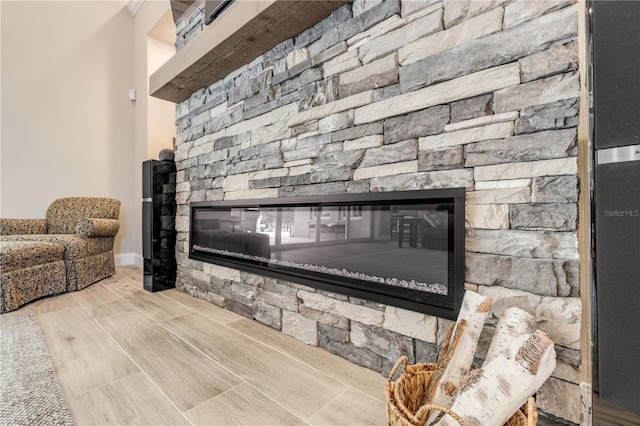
405,395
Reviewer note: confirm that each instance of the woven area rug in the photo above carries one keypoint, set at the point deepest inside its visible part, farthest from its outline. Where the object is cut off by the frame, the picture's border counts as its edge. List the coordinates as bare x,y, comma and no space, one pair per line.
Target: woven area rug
29,390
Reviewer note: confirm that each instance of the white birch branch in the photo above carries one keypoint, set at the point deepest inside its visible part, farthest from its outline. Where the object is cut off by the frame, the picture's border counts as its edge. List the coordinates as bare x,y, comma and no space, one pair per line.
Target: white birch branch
491,395
457,356
514,323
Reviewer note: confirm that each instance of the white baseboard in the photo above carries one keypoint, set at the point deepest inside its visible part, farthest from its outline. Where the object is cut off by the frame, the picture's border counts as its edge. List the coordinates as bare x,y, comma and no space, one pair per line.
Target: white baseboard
128,259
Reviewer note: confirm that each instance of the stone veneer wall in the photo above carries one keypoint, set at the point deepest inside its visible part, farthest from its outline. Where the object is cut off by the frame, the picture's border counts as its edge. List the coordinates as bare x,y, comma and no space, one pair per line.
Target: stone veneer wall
402,95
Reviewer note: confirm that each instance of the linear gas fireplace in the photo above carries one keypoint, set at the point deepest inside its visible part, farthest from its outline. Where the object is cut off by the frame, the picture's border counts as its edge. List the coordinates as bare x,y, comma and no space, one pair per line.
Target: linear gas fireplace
404,249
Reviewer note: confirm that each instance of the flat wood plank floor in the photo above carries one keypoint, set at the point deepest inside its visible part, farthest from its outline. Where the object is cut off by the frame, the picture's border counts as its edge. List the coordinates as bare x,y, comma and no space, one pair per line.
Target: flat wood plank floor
127,356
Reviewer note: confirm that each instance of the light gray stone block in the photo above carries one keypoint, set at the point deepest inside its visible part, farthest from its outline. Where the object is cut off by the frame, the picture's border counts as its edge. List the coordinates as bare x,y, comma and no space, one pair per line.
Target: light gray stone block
324,110
296,56
382,66
357,132
338,17
301,154
260,151
555,189
349,351
407,7
409,323
471,108
313,190
372,82
557,88
554,217
268,162
328,173
308,76
340,159
555,60
487,216
328,39
537,276
363,143
416,124
368,19
360,6
535,244
213,194
326,318
267,314
559,166
358,313
216,169
387,92
313,141
560,398
383,342
530,147
279,295
498,184
441,159
456,11
482,121
333,333
521,11
386,170
301,328
398,152
554,115
465,136
336,122
515,195
424,180
329,54
426,352
340,64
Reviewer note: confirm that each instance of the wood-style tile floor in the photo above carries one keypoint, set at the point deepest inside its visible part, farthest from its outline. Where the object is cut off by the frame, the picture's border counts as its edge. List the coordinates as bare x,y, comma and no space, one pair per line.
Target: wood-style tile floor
127,356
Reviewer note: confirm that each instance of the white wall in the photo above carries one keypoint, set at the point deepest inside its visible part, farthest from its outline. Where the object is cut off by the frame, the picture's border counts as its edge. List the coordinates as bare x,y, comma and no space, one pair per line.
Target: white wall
69,128
161,115
67,121
148,20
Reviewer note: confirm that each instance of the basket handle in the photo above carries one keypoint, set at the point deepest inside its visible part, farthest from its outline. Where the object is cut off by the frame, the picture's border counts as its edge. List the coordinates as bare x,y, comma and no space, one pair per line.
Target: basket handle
402,360
422,412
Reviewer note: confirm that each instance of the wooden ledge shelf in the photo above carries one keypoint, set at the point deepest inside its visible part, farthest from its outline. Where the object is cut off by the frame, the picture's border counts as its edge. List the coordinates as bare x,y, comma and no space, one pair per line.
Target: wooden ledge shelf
243,32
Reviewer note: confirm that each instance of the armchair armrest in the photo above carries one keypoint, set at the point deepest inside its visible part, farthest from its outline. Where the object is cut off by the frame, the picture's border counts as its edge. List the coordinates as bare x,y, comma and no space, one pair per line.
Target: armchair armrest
93,227
23,226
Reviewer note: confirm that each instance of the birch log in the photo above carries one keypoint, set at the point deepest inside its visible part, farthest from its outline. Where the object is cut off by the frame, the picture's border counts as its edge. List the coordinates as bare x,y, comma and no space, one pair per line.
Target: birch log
457,355
491,395
514,323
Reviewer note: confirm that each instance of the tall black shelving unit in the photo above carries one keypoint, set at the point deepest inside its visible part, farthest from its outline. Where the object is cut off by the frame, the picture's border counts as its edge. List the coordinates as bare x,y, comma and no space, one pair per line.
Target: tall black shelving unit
158,224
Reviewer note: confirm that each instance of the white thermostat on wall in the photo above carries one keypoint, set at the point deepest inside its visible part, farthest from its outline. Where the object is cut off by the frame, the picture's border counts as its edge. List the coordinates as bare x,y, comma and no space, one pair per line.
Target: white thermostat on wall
132,94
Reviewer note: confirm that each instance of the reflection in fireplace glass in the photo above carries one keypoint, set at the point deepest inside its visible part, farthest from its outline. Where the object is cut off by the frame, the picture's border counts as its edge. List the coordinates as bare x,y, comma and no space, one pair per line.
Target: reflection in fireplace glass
404,245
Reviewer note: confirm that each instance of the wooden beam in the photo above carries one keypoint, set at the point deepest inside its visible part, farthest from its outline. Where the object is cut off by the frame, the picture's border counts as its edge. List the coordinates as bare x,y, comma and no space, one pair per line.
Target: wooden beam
243,32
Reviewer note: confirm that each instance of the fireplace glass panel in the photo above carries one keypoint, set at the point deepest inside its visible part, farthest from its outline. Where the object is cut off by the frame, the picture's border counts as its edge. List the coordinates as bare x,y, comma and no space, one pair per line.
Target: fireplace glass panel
403,248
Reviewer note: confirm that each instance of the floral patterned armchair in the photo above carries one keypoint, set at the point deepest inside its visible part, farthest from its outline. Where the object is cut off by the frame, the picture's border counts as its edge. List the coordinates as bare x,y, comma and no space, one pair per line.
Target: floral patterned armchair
85,226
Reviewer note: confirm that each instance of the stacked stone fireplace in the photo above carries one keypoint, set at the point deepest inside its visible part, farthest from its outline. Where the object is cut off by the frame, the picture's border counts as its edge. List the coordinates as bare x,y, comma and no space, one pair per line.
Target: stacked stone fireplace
404,95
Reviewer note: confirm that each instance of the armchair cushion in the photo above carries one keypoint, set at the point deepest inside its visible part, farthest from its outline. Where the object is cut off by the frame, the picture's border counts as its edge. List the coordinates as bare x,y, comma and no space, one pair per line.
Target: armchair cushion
23,226
92,227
